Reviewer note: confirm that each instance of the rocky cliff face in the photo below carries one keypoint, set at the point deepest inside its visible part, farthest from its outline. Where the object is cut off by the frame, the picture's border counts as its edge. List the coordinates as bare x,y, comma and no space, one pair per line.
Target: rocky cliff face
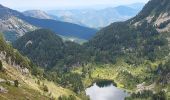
157,13
11,23
16,25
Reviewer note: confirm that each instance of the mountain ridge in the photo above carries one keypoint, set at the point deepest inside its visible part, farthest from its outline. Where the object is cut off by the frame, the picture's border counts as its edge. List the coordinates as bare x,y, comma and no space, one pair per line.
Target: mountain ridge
37,14
158,16
103,16
57,26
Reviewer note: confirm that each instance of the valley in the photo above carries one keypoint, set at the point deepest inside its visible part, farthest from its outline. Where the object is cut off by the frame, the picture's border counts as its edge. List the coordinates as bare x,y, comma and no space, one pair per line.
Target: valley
46,59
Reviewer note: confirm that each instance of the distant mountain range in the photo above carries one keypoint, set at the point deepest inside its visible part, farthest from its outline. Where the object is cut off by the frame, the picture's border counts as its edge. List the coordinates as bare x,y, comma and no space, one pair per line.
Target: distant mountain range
15,24
97,18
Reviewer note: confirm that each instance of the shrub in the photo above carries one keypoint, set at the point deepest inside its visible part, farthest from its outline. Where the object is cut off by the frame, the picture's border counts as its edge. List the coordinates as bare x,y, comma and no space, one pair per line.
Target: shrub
45,88
70,97
1,66
38,82
8,83
16,83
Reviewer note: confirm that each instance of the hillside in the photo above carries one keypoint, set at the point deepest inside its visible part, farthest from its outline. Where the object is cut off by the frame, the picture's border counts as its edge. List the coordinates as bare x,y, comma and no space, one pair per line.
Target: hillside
12,26
156,12
138,48
62,28
137,37
29,86
56,56
21,79
47,49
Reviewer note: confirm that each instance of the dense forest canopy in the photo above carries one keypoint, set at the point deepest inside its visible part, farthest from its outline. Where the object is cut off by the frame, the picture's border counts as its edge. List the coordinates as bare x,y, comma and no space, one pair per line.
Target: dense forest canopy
117,40
121,39
48,50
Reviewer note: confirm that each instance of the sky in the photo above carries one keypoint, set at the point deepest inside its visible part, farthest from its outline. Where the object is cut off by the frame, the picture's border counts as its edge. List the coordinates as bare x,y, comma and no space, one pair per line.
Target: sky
64,4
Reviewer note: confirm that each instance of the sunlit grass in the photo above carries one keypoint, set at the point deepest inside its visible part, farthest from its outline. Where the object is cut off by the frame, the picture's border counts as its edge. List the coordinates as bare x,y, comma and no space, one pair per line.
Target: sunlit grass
29,87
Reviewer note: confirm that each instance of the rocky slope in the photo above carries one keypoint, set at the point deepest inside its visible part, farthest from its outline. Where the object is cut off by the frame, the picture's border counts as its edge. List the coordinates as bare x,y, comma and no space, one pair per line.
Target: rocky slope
12,25
157,13
16,26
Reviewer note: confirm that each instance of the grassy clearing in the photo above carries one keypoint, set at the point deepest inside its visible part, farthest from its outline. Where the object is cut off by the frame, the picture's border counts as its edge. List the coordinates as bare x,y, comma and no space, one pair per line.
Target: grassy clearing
126,76
21,93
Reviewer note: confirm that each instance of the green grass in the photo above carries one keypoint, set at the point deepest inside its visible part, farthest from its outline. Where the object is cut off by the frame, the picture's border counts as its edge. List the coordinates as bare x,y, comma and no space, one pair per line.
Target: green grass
21,93
126,76
29,87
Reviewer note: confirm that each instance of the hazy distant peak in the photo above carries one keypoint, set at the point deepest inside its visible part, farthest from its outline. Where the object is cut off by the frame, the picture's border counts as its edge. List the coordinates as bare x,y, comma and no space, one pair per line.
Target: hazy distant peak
37,14
103,17
136,5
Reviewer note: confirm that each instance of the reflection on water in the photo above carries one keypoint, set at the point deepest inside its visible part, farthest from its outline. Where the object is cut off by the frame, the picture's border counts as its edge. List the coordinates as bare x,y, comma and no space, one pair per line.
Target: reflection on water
109,92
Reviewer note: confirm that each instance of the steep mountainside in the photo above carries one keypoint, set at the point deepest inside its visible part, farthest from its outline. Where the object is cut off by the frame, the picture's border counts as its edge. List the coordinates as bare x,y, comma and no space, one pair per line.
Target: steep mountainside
62,28
157,13
12,26
46,49
138,50
37,14
139,36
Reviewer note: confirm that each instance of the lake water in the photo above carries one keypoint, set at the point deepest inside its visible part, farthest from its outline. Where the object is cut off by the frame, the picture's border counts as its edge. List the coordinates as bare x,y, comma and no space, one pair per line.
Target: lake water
108,92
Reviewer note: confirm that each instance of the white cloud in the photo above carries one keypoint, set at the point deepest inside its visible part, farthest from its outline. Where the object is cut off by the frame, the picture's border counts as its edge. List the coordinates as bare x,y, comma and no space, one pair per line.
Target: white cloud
56,4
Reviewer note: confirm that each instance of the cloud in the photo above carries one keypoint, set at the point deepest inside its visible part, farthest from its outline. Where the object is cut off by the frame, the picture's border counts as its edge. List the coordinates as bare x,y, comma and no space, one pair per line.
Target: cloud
55,4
